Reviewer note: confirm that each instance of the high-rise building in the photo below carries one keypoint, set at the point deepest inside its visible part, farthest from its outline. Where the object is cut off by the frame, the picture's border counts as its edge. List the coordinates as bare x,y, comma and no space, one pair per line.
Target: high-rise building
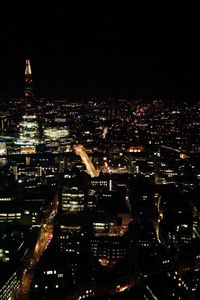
28,90
73,200
28,133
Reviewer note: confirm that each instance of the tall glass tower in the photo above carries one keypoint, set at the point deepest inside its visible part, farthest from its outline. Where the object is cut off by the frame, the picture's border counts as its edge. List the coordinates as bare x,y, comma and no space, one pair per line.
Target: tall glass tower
28,90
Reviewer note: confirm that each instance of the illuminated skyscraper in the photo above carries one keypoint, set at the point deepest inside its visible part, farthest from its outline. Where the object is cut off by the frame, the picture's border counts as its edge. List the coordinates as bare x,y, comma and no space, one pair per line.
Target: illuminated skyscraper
28,134
28,91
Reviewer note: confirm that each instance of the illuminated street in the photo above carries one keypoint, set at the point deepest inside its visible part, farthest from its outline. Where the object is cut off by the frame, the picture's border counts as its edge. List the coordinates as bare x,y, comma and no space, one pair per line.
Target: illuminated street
43,241
79,150
33,256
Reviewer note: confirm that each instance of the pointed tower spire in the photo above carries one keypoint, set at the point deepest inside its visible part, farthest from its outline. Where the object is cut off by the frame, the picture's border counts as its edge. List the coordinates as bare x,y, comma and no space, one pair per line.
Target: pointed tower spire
28,67
28,91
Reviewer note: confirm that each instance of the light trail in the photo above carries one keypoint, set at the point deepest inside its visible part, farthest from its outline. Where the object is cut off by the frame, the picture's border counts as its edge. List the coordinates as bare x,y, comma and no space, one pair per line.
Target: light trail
170,148
152,294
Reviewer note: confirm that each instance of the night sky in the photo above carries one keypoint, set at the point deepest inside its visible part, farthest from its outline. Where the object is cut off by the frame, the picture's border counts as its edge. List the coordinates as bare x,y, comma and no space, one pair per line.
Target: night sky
101,48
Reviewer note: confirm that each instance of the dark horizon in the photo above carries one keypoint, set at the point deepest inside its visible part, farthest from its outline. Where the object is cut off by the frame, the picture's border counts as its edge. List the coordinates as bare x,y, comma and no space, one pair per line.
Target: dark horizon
100,50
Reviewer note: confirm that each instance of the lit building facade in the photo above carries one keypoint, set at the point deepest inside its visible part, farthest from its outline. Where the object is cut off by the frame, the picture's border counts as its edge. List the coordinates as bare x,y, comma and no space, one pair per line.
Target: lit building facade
10,288
28,134
73,200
